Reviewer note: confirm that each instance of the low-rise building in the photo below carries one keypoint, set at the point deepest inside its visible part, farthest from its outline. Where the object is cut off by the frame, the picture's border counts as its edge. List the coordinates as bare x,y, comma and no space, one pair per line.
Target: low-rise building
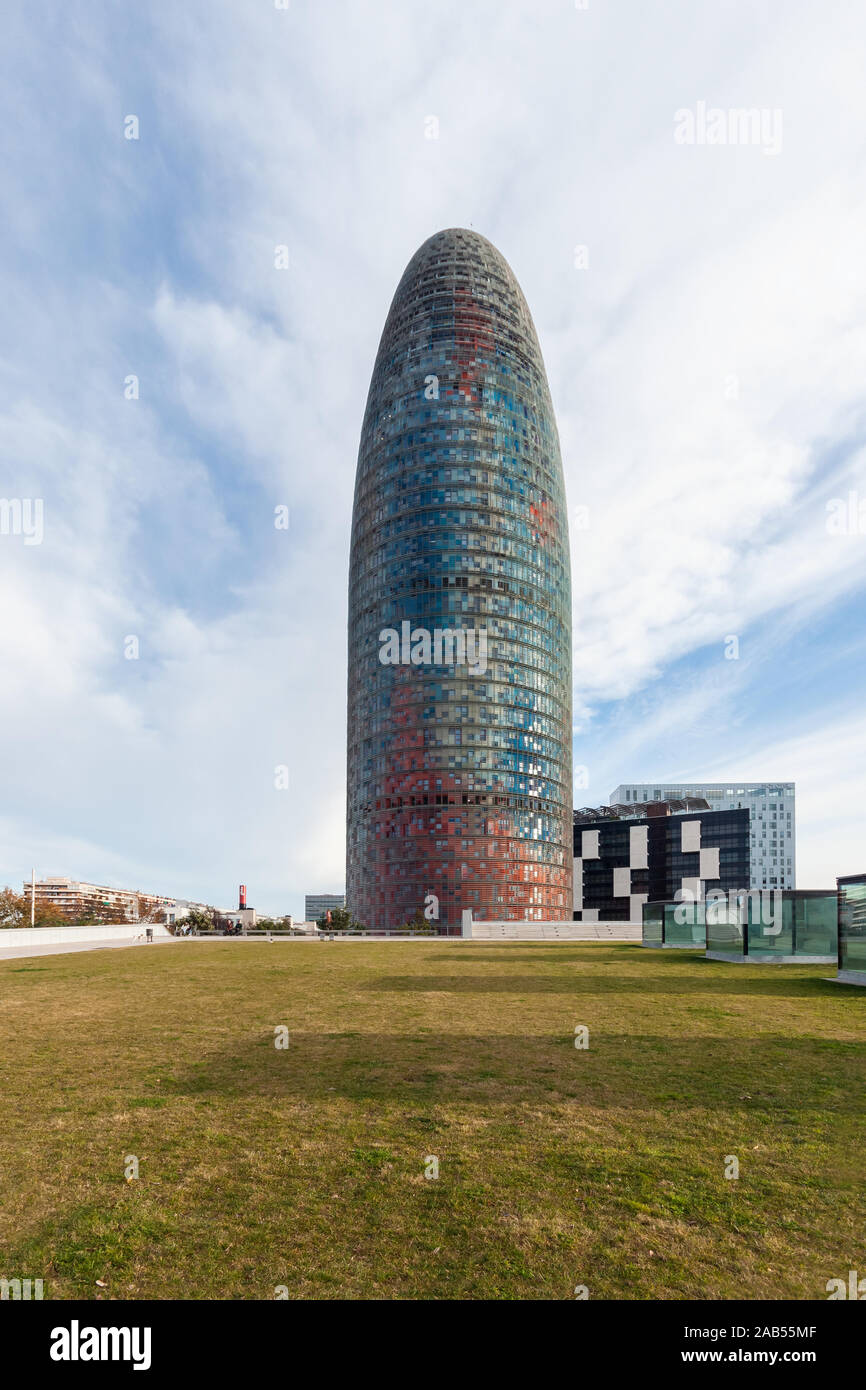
772,813
317,904
77,899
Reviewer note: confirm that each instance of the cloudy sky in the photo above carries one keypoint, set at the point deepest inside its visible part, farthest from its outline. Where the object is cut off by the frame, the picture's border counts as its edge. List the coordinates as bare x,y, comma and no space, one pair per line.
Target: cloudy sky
706,351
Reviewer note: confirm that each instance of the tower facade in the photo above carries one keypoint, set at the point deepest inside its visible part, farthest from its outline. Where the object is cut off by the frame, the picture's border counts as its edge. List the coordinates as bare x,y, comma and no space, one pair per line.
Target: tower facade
459,681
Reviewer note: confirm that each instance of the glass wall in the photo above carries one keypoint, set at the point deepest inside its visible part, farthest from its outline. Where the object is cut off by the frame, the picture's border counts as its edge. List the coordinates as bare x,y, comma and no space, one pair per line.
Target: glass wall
725,931
852,923
770,926
816,925
806,926
774,925
653,918
674,924
762,925
685,924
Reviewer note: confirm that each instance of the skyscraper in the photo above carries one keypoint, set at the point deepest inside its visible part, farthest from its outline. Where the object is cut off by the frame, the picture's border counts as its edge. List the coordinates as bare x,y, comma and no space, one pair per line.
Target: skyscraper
459,699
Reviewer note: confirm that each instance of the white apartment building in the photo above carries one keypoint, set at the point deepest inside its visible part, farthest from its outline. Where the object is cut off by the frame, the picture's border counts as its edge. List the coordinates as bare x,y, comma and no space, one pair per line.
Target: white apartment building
72,896
772,824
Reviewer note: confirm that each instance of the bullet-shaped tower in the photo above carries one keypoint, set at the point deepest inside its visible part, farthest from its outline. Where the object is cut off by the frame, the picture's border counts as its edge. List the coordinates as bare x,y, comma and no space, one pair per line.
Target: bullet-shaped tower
459,683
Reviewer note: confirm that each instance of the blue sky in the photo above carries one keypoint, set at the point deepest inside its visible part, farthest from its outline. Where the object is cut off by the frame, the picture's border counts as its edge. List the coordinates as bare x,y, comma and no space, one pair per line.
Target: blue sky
707,371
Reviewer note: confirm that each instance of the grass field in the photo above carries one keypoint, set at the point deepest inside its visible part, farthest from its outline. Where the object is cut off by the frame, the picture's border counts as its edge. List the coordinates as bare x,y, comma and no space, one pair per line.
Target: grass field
305,1167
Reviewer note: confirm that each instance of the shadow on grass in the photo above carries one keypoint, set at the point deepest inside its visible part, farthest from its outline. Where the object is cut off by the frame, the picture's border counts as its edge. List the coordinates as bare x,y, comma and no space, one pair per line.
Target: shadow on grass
630,1071
778,985
570,954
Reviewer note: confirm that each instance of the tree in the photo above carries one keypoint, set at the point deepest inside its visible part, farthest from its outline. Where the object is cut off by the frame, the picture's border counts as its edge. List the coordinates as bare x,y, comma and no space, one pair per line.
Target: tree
201,919
341,920
47,914
12,909
15,911
96,913
420,925
150,910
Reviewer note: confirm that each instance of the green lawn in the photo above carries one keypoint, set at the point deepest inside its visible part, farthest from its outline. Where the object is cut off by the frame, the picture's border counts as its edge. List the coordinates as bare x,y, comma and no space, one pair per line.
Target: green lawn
305,1167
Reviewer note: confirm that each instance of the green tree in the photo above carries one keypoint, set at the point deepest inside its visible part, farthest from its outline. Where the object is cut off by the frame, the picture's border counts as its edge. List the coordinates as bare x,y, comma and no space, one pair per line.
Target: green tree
341,920
201,919
420,925
278,924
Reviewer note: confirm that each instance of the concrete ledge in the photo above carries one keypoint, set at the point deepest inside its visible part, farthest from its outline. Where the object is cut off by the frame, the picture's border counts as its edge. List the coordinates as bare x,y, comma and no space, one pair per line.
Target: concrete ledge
55,936
851,977
60,948
770,960
674,945
554,931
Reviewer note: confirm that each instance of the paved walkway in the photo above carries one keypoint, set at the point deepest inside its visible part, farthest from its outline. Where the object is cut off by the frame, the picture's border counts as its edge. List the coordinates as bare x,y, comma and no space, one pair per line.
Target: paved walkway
60,948
622,933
